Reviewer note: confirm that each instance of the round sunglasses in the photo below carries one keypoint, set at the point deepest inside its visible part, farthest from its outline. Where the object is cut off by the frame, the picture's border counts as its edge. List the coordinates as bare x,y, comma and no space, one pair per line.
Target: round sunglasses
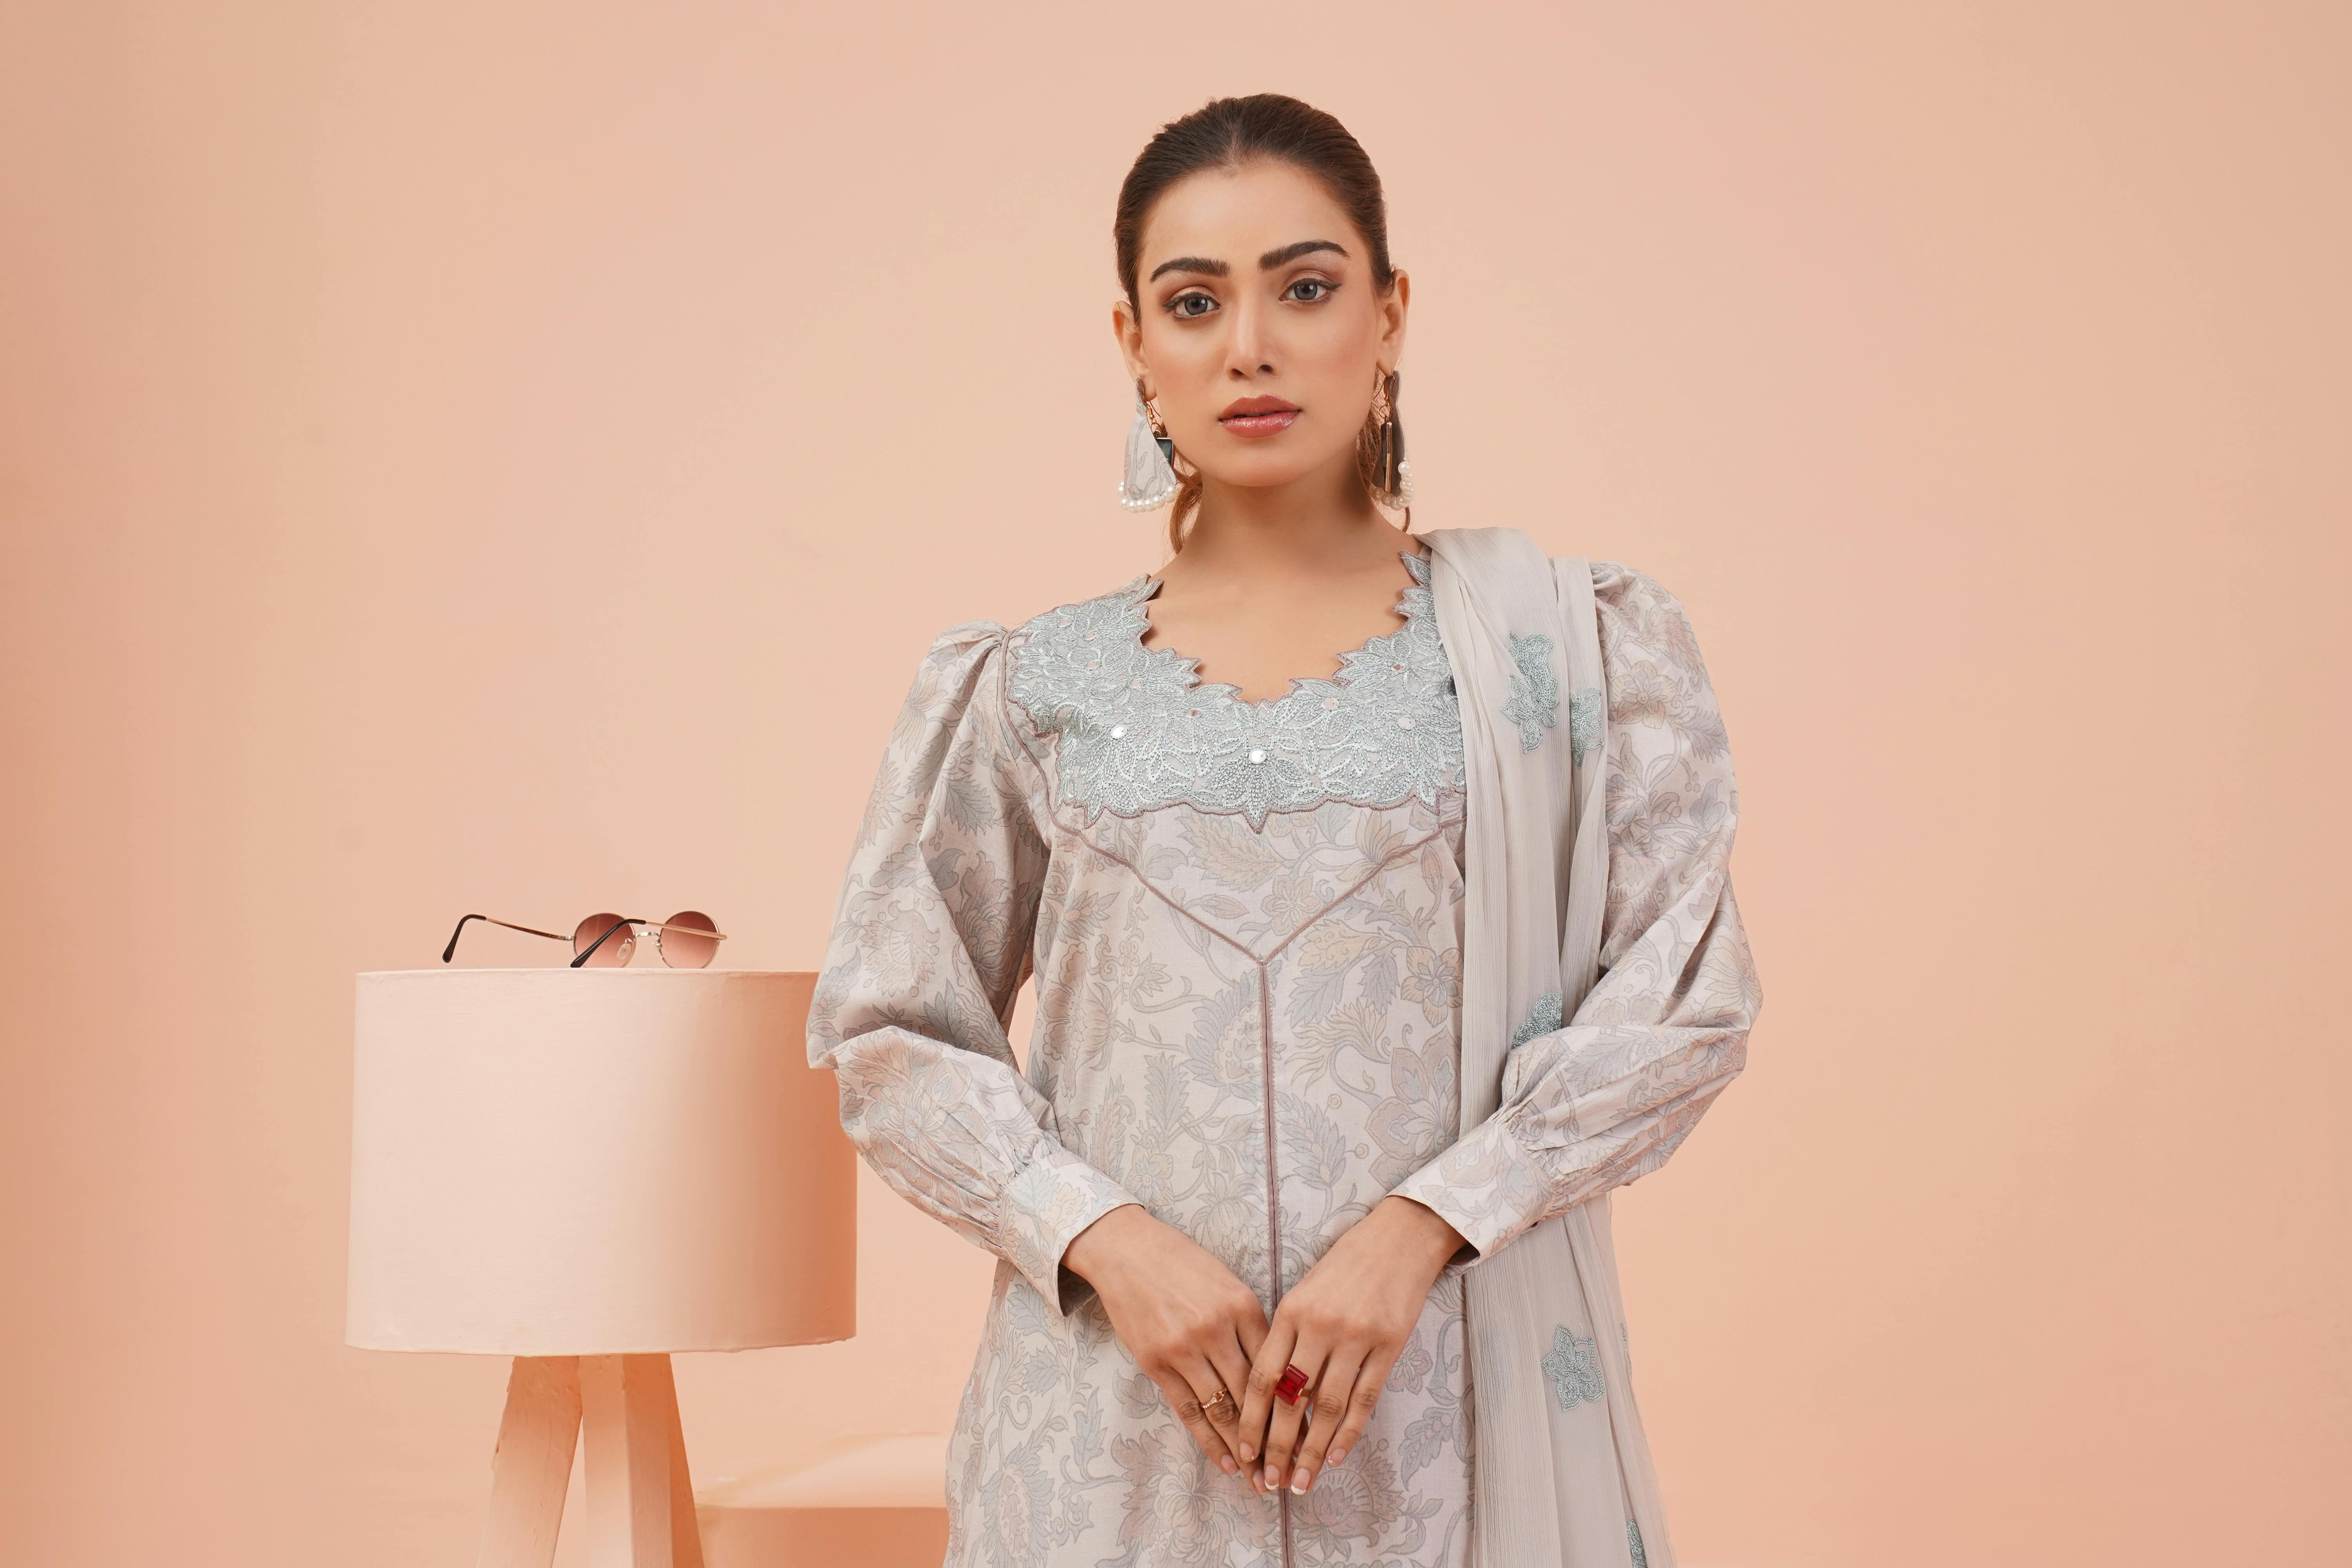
688,939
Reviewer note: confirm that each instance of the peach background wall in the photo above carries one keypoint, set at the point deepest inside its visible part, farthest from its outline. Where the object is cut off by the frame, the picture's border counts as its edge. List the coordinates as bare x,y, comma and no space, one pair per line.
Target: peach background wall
509,458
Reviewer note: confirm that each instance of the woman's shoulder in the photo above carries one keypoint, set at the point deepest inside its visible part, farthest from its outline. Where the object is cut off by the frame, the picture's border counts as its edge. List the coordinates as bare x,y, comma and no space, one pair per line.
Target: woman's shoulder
1030,659
983,634
1079,616
965,637
1084,613
1649,655
1636,609
1617,584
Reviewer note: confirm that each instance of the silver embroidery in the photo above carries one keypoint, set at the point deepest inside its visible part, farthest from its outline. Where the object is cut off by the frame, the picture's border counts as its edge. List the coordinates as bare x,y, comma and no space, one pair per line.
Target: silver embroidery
1574,1368
1634,1541
1542,1019
1138,730
1583,722
1534,704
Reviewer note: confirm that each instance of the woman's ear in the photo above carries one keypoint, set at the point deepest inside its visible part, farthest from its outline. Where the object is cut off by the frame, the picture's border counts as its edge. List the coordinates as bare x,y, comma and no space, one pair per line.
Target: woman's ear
1392,314
1128,331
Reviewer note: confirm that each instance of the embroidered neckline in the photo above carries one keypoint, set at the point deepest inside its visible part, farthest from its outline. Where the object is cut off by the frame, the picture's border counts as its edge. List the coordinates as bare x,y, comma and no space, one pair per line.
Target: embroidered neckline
1148,588
1140,729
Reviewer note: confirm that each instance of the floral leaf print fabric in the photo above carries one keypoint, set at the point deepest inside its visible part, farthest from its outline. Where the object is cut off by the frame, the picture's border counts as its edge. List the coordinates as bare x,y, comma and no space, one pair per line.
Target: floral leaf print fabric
1607,1098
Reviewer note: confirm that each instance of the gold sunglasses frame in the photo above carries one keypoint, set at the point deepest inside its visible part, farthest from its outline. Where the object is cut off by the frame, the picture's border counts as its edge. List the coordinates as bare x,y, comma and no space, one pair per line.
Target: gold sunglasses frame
622,922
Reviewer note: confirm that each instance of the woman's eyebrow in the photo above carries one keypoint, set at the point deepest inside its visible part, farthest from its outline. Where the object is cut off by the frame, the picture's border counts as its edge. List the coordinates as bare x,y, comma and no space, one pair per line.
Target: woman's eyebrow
1274,258
1189,264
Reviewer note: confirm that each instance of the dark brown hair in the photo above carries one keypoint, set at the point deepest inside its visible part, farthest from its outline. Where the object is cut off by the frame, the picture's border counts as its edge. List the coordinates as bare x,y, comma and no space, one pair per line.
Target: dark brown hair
1227,133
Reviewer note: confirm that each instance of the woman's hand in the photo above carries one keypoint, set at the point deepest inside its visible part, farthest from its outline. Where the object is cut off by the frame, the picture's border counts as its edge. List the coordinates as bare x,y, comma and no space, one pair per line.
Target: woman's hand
1344,1326
1188,1322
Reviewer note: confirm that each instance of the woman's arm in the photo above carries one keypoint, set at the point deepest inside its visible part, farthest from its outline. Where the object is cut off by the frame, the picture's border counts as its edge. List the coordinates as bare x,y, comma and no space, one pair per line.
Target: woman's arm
930,942
1608,1096
1585,1107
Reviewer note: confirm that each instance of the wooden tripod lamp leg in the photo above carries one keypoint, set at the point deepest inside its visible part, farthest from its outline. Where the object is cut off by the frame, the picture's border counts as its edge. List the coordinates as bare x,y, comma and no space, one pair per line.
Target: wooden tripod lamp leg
532,1468
686,1527
640,1495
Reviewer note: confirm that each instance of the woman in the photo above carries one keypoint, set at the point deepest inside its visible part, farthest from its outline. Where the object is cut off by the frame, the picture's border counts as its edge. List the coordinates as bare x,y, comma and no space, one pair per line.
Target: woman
1235,1162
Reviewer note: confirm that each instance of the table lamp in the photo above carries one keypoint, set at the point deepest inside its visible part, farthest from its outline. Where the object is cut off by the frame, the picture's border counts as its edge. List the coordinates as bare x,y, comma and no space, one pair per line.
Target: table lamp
587,1170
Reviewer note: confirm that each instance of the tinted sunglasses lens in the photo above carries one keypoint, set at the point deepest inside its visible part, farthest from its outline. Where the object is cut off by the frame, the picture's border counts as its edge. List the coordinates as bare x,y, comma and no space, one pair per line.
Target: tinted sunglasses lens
681,948
614,953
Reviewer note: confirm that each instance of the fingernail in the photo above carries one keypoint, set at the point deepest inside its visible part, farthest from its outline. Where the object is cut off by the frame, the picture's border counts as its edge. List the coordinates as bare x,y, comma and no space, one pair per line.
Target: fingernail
1248,1453
1225,1463
1273,1481
1336,1455
1300,1482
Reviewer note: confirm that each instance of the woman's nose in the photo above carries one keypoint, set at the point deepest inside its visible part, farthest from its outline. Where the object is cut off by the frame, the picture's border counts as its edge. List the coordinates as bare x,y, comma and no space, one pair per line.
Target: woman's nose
1248,353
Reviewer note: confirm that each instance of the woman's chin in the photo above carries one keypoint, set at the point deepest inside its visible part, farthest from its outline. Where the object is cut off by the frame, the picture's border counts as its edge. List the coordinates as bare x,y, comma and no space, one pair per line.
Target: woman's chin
1262,469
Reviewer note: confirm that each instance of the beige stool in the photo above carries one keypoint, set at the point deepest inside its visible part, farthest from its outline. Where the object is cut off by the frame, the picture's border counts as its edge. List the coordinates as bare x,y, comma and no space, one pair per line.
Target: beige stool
857,1502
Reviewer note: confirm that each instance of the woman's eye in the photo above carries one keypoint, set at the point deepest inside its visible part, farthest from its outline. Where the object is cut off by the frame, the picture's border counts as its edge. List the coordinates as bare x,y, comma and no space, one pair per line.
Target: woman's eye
1190,305
1307,291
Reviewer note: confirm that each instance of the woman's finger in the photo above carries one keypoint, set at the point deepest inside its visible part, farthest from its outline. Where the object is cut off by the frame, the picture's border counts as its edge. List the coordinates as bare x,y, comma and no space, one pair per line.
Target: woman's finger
1230,1368
1187,1404
1257,1393
1334,1392
1370,1382
1201,1374
1282,1427
1253,1438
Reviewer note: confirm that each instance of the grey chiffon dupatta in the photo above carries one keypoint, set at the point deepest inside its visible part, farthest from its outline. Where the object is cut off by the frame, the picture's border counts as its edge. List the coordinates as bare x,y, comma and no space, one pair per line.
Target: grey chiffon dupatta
1561,1467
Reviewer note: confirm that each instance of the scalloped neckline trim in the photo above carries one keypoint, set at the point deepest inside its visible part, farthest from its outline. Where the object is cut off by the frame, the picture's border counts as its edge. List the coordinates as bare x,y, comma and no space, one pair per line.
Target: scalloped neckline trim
1410,598
1139,729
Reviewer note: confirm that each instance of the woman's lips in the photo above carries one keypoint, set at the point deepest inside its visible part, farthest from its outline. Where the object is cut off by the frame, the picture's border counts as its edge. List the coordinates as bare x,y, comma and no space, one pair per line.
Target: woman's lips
1258,415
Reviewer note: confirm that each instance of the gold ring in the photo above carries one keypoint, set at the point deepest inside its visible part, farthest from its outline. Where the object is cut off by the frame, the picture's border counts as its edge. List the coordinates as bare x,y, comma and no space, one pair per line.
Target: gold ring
1223,1400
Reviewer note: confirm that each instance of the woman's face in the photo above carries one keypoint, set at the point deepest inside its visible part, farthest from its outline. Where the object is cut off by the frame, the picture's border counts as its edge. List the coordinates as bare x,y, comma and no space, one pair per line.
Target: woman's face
1260,332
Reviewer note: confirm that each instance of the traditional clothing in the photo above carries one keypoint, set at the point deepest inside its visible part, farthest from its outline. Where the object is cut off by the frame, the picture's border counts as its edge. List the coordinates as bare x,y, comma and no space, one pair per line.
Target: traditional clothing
1248,922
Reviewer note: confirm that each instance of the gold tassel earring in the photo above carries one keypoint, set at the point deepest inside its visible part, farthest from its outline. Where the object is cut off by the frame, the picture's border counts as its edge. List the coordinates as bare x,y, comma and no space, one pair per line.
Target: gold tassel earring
1391,474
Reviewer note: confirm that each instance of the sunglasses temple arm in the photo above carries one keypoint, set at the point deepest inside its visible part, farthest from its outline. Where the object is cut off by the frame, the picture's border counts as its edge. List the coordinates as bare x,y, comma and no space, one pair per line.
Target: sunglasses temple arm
600,941
533,930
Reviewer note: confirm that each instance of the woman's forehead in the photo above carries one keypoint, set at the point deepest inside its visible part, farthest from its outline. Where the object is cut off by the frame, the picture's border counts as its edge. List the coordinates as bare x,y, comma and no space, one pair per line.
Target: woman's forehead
1234,215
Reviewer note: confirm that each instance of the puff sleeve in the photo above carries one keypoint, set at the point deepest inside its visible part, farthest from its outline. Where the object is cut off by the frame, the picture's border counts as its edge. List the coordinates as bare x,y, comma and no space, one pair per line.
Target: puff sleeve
1607,1098
930,942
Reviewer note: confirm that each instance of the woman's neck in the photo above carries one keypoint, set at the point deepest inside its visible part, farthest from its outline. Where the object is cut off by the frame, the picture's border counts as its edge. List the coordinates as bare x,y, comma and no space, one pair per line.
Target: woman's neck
1300,529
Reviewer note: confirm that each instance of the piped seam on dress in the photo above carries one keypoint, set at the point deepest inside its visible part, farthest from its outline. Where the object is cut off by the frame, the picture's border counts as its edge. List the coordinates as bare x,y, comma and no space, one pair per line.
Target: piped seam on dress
1273,1195
1266,1050
1352,889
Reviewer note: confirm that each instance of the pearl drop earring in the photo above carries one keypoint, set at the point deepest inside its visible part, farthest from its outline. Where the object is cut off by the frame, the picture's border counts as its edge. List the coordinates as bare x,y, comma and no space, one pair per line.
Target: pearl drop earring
1149,482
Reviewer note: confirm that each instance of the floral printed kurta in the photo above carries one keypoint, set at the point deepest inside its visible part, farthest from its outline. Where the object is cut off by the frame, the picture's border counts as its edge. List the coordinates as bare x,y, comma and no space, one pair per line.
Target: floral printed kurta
1244,922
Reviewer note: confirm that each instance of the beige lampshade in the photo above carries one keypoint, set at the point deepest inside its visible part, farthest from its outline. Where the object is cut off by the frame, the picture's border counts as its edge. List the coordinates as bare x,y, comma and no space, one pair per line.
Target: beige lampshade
595,1162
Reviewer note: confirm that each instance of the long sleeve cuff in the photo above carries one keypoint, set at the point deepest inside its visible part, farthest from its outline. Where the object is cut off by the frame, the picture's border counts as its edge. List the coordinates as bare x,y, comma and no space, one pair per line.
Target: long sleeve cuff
1045,1207
1487,1185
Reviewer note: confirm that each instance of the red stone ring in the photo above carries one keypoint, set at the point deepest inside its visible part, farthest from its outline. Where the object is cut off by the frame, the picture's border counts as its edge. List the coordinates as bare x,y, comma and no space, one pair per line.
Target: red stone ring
1293,1384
